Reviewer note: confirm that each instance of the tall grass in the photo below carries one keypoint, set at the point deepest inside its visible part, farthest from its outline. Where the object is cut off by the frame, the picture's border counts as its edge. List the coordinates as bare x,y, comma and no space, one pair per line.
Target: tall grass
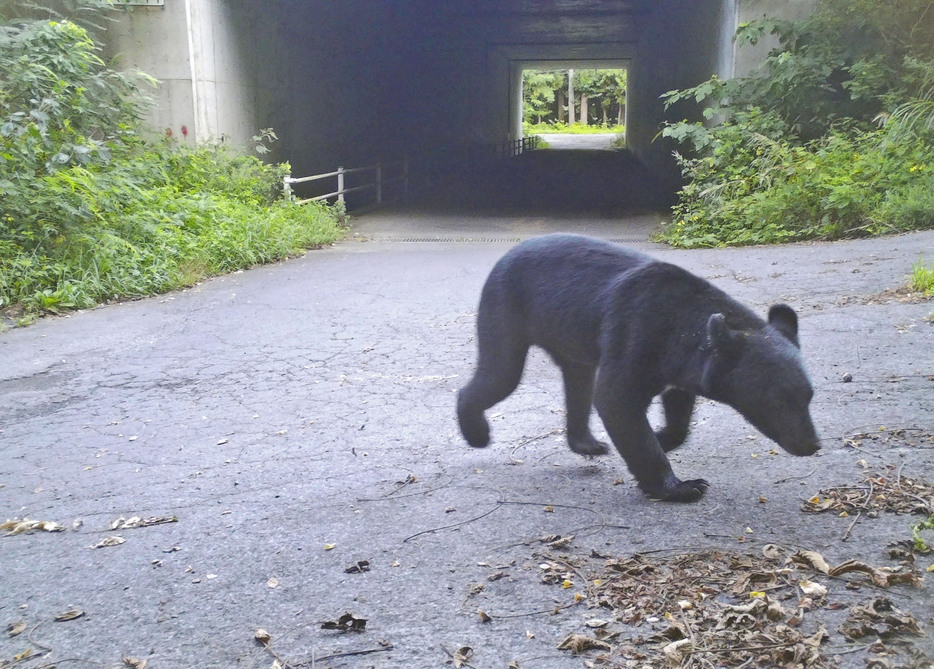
90,211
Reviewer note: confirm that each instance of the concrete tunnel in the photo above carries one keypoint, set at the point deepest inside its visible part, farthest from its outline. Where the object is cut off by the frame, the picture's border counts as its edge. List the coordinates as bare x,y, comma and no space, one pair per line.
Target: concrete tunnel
361,81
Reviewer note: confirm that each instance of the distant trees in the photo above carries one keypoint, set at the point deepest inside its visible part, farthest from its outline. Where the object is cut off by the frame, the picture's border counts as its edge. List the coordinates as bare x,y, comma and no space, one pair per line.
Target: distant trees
599,96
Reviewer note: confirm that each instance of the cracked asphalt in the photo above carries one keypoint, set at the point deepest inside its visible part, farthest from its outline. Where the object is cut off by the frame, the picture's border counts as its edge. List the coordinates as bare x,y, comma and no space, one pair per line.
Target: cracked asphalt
297,419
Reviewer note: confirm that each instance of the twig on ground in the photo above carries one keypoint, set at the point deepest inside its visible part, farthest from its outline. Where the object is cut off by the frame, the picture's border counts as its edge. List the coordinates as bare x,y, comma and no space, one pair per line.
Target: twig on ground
447,527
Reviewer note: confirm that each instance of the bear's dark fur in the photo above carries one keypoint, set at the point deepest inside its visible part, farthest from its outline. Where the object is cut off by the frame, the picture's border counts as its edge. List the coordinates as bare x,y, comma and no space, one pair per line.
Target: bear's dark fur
625,328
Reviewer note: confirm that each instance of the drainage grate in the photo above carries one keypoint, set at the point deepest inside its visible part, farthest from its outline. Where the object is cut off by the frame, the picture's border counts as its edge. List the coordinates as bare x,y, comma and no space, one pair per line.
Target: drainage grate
488,240
628,240
447,240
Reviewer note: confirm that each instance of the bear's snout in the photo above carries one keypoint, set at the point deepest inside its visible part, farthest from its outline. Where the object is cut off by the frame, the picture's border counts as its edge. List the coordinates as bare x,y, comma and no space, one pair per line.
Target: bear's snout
801,442
803,448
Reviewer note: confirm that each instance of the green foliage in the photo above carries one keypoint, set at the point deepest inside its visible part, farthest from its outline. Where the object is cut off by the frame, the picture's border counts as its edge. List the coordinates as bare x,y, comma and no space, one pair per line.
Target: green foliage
922,280
919,544
833,138
538,93
565,129
544,101
91,212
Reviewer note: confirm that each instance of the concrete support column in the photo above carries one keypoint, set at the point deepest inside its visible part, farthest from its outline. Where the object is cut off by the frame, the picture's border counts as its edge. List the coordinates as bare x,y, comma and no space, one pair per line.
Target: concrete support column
201,63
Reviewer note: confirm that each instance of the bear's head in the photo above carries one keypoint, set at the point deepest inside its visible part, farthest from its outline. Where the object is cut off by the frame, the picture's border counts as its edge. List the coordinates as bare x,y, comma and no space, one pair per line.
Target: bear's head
759,373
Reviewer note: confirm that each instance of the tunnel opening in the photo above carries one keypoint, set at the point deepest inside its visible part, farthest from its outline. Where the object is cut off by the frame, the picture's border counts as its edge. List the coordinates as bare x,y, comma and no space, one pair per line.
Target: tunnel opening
583,174
364,82
575,107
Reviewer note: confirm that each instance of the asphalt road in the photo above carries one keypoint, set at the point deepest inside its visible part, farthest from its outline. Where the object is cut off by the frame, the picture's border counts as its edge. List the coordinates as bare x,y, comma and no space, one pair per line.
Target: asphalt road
594,142
295,421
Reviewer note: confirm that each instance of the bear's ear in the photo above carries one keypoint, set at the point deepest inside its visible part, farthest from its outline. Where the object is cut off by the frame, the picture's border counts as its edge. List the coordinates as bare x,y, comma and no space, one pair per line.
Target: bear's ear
719,335
784,319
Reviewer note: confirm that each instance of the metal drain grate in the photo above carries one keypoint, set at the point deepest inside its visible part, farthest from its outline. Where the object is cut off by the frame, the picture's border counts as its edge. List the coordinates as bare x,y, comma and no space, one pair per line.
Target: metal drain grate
447,240
628,240
488,240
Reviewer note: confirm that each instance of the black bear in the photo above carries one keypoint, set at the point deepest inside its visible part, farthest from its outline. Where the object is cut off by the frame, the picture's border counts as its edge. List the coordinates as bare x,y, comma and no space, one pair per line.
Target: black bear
624,328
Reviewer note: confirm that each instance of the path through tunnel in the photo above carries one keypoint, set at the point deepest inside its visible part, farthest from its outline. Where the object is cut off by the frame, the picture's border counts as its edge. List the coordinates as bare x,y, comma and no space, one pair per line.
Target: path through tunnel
356,82
596,182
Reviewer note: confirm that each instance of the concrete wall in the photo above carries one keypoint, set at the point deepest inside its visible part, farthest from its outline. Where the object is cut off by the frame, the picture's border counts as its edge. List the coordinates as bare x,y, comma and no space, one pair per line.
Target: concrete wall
215,60
746,59
681,44
356,81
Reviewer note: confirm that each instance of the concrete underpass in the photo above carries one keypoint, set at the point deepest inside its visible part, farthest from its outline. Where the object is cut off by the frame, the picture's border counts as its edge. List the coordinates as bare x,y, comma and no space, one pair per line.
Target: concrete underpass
360,81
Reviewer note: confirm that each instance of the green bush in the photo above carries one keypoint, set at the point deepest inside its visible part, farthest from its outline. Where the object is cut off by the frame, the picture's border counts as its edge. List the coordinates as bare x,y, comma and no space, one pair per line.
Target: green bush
833,138
922,280
91,212
575,129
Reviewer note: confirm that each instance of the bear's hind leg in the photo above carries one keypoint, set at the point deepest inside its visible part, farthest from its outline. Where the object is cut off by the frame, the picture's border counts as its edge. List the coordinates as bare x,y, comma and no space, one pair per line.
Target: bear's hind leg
678,405
499,370
578,397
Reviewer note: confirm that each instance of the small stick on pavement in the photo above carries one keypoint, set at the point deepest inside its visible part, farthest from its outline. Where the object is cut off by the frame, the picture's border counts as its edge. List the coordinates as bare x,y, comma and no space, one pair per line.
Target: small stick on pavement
447,527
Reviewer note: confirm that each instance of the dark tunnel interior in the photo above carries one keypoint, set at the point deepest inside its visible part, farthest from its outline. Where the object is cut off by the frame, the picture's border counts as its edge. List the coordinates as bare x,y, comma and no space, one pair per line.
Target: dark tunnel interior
440,84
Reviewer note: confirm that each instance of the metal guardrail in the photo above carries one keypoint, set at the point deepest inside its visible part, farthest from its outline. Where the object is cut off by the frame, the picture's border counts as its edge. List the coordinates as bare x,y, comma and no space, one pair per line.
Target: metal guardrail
517,147
377,183
508,149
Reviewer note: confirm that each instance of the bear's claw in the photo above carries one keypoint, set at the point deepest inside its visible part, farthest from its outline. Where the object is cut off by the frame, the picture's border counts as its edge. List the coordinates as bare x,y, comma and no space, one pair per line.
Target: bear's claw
677,490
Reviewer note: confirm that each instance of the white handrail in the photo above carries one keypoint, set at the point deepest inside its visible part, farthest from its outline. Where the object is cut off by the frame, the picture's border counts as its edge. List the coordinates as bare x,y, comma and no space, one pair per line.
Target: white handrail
509,148
377,183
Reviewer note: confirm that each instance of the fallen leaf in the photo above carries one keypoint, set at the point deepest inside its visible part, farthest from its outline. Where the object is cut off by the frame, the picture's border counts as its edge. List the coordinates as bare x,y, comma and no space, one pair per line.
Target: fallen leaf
137,521
70,614
812,589
595,622
461,656
578,643
557,541
109,541
16,628
27,526
134,662
677,651
358,567
22,656
814,559
261,635
771,551
330,547
346,623
484,617
880,578
273,582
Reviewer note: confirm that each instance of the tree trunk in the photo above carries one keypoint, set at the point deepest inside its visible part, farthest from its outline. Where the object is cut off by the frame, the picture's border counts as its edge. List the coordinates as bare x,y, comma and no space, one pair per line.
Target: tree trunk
570,97
560,106
585,111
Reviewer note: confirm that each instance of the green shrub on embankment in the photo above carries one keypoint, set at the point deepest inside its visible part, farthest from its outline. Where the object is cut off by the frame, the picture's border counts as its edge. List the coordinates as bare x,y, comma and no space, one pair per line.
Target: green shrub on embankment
833,137
91,211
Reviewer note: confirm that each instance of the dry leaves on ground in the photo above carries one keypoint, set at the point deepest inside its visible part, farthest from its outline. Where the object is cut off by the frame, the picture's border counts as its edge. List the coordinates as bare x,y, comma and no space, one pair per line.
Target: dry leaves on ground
137,521
346,623
730,609
27,526
890,492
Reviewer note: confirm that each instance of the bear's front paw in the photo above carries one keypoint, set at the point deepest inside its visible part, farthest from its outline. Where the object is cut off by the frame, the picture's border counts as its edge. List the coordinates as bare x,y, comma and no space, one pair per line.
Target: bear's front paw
676,490
588,446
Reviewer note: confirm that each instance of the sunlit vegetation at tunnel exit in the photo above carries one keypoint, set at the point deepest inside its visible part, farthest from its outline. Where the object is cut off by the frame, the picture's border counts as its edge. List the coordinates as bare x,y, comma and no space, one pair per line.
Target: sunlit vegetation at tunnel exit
573,100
